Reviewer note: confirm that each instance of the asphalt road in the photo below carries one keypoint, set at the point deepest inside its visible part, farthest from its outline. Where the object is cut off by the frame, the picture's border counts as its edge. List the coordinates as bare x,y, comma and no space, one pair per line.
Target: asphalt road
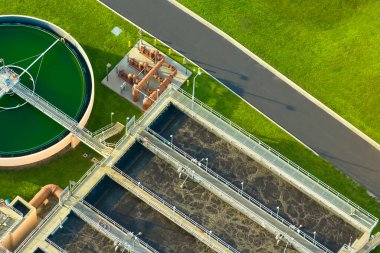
257,85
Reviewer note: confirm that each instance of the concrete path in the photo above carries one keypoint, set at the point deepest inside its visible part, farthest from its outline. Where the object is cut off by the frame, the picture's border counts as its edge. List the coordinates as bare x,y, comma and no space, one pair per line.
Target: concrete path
110,132
279,167
258,86
231,197
174,216
109,229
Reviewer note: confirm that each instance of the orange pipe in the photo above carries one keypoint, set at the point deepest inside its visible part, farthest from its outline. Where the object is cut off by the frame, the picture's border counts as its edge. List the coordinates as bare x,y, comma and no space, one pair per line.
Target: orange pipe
153,71
13,239
45,192
135,93
145,80
148,101
153,55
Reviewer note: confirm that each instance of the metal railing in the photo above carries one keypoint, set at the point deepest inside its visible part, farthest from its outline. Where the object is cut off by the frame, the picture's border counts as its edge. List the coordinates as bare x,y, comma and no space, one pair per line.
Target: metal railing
258,219
124,230
37,100
37,228
105,128
87,174
120,141
243,194
104,135
55,209
239,191
186,96
155,104
109,144
16,211
9,82
56,246
60,117
175,210
97,226
373,242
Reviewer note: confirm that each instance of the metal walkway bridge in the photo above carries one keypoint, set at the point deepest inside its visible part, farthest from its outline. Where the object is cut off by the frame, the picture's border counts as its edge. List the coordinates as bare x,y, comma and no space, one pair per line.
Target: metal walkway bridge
124,239
169,211
10,82
279,164
228,195
61,118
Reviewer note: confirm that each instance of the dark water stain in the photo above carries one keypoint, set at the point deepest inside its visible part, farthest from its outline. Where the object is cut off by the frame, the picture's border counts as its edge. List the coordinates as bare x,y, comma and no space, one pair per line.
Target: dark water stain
77,236
198,203
45,209
136,216
259,182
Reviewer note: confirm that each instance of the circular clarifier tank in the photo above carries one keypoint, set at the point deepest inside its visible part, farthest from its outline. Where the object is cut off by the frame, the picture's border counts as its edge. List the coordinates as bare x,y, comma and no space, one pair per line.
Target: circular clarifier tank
63,77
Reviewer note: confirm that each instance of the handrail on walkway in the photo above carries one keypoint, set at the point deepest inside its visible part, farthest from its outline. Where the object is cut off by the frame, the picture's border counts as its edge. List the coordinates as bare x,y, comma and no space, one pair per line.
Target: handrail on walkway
175,210
55,209
37,228
97,226
155,103
262,222
87,174
109,126
279,155
56,246
239,191
60,117
124,230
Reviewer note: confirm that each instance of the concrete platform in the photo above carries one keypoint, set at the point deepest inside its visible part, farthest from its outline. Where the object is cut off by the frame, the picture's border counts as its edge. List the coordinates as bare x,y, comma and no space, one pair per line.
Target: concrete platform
114,82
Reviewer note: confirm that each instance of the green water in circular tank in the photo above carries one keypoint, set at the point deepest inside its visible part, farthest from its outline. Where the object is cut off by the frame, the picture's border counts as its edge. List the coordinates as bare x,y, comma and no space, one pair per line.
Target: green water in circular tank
60,79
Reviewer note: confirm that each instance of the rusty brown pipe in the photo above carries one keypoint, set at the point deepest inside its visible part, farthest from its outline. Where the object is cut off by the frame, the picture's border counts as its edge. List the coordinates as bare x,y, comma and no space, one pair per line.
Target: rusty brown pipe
148,101
13,239
45,192
147,77
135,93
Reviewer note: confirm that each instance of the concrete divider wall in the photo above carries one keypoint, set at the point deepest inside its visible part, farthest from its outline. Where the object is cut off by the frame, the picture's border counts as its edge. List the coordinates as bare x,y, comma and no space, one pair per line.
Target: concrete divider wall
300,185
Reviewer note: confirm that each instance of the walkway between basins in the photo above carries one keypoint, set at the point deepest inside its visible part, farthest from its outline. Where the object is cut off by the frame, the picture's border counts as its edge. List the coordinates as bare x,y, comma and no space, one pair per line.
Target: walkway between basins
168,213
219,189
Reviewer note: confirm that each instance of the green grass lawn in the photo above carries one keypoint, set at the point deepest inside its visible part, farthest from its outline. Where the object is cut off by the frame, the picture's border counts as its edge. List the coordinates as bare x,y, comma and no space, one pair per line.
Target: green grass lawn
329,47
68,166
90,23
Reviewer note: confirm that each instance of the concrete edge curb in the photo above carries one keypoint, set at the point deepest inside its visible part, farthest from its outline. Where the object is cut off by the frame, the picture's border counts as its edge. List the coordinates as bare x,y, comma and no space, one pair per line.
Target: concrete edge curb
278,74
256,109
